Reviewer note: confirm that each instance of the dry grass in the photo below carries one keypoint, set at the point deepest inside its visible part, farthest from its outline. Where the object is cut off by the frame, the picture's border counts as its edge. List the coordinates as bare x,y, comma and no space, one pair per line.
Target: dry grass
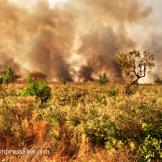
60,125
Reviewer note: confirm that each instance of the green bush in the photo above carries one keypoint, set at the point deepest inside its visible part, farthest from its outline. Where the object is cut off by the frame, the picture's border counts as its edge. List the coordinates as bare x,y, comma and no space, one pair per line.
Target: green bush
43,91
39,89
101,131
31,90
112,143
151,148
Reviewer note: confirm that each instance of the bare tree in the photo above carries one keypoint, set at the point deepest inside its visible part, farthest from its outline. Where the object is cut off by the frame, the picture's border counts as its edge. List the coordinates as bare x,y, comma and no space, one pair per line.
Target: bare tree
135,64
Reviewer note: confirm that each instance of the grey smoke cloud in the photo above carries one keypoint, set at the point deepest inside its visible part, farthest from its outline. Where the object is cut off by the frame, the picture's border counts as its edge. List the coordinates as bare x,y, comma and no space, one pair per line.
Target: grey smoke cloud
46,37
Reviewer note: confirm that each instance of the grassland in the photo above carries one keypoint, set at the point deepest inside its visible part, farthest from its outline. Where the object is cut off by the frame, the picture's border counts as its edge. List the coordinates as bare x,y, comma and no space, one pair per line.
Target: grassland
83,123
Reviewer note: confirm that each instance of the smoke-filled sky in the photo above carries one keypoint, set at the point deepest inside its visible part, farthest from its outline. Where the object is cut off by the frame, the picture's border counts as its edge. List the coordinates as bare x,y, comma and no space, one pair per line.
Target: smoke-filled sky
77,39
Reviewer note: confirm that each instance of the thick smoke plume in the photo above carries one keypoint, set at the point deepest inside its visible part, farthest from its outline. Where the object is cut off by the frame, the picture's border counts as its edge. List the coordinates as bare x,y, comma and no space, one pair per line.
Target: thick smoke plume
40,39
47,39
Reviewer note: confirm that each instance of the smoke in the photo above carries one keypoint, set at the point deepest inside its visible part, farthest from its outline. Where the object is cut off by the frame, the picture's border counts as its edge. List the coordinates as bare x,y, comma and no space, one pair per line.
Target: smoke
154,45
53,43
117,10
105,27
45,38
86,73
39,39
7,62
100,48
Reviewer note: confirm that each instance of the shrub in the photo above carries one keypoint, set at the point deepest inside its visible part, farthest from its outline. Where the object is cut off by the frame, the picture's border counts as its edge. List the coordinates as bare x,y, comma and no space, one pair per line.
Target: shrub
9,76
11,118
39,89
112,93
150,149
130,89
102,79
1,79
112,143
31,90
152,144
158,81
75,120
101,132
63,80
43,91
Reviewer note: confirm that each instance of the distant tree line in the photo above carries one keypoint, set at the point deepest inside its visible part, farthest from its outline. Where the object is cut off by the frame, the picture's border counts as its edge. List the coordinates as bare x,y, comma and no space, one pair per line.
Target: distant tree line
134,66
